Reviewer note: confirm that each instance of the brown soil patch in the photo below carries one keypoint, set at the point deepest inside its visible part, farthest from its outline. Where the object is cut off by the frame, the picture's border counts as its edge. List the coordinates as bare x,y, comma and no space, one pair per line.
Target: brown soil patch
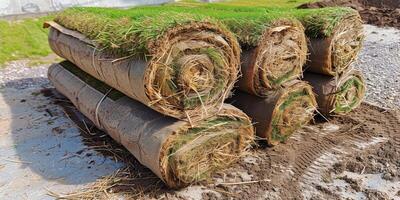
286,165
384,159
376,12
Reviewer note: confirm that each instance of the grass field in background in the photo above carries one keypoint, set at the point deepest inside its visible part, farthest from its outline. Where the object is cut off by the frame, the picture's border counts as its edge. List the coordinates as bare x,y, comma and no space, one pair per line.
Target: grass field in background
23,39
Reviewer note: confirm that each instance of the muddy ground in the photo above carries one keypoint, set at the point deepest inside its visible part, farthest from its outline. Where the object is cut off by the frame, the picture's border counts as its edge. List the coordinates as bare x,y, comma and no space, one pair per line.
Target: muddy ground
376,12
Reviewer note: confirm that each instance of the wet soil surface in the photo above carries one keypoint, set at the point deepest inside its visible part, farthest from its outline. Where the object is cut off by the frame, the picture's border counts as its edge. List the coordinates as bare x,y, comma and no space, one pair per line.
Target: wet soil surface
376,12
296,170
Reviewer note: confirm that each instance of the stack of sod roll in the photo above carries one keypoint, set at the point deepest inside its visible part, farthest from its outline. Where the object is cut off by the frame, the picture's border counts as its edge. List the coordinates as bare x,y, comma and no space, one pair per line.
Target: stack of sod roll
156,78
274,49
156,83
333,47
334,38
178,152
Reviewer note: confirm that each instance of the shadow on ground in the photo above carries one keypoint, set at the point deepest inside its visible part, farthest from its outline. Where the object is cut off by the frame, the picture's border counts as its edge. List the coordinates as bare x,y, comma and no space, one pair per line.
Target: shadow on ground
41,149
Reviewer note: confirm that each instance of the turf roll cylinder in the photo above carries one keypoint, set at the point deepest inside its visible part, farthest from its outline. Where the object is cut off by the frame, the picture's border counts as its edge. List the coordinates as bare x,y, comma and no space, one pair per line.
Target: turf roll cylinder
278,58
337,95
284,111
185,71
335,39
176,151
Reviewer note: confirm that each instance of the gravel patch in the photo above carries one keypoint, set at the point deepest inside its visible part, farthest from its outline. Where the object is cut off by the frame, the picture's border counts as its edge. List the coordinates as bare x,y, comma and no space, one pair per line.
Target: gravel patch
18,74
379,60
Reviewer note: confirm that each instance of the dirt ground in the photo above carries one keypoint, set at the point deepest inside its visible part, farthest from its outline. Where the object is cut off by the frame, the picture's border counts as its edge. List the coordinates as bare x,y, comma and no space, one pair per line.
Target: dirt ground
376,12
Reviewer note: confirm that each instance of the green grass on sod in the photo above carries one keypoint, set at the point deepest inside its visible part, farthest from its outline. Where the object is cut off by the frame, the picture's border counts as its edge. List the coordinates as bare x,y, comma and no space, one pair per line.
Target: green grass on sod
265,3
318,22
128,31
23,39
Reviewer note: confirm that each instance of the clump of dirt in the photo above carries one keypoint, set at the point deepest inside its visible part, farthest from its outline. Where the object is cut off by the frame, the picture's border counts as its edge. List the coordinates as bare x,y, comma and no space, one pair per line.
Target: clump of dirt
376,12
382,3
355,4
384,160
325,190
355,184
381,16
375,194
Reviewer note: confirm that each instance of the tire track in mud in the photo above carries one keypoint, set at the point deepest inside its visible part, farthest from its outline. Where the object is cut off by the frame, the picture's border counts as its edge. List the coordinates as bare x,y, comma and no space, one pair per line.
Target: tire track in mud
315,173
331,143
395,120
328,149
396,141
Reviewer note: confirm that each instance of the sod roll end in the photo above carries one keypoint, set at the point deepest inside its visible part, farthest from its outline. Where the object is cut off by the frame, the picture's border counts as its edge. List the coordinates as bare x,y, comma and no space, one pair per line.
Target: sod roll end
281,113
338,95
278,58
335,39
178,152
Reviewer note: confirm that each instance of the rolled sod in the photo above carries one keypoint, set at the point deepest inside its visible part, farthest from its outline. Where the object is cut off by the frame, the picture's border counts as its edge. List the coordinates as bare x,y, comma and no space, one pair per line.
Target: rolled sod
276,59
335,34
337,95
273,43
280,114
176,151
335,38
178,65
